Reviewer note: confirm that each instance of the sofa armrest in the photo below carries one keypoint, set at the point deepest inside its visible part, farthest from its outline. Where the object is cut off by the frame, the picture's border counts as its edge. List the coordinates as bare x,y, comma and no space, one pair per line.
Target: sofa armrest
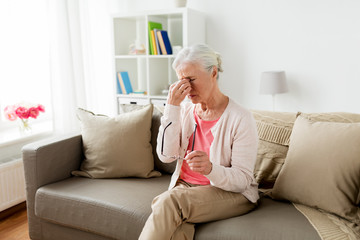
45,162
51,160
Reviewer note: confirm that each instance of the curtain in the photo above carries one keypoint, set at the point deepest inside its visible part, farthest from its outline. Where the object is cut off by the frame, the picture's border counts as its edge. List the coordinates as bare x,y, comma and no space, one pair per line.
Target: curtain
81,59
66,64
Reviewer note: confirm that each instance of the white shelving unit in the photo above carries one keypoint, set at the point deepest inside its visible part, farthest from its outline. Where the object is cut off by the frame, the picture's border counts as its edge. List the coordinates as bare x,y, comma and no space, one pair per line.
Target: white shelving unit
152,73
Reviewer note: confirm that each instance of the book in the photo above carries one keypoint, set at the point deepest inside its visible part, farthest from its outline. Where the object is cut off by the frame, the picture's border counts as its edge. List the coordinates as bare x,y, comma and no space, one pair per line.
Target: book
157,41
161,43
164,42
153,42
118,87
121,83
126,80
152,26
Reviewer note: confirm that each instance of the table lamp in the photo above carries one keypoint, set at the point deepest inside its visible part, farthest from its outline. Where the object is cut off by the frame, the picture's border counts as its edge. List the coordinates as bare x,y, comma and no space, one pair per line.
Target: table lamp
273,82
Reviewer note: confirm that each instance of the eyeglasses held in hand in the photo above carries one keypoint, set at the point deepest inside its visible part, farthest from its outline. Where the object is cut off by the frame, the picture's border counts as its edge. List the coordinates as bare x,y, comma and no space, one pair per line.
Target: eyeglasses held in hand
162,144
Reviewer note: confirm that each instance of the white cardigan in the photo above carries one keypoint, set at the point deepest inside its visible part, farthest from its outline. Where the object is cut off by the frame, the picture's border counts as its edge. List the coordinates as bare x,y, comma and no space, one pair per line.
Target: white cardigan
232,152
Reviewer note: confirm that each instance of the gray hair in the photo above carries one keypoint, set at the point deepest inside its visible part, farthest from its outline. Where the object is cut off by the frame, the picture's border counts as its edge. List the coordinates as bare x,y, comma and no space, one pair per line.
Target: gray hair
199,53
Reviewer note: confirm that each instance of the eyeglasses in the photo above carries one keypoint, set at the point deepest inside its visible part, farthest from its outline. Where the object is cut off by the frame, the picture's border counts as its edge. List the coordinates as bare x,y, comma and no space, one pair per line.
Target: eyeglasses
162,144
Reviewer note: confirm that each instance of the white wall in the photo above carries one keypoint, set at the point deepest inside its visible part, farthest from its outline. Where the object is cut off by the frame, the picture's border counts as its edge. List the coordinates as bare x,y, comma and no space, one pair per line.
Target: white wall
316,42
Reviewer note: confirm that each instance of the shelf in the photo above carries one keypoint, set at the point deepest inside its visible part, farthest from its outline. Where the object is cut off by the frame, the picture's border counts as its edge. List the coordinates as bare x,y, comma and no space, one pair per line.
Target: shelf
166,12
163,97
130,56
132,96
143,56
161,56
152,73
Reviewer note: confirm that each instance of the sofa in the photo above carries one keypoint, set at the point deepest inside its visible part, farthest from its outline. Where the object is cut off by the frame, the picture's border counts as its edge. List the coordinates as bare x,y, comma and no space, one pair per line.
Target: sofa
64,201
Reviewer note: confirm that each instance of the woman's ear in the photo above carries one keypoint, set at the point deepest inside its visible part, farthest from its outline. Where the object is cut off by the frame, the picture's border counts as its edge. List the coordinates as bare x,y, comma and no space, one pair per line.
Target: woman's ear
214,72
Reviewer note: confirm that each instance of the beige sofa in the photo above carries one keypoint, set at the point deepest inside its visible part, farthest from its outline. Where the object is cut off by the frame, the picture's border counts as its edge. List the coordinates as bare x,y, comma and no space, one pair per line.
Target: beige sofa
62,206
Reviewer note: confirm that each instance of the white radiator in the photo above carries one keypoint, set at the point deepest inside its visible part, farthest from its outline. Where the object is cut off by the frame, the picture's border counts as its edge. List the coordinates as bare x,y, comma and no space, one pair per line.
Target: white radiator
12,184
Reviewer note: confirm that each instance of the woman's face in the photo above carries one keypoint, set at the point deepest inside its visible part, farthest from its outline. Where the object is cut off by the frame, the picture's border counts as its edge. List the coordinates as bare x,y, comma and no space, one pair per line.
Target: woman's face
202,82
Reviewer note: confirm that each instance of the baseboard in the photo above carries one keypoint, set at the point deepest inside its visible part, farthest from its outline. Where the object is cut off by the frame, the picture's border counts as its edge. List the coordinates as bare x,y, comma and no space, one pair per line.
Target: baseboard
10,211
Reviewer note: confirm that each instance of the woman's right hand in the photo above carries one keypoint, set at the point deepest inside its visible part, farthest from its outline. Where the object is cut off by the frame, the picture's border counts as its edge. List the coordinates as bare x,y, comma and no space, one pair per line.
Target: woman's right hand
178,92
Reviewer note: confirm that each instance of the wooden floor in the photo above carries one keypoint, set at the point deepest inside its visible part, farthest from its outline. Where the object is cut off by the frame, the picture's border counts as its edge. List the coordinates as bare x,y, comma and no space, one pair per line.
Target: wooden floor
13,224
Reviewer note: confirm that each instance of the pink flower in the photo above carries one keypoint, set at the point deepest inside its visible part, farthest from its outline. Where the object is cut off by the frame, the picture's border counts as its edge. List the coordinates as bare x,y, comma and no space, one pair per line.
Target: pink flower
41,108
10,113
33,112
22,112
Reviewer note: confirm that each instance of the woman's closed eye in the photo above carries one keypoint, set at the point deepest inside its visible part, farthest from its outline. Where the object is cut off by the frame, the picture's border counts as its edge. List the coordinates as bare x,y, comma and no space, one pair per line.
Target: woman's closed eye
188,78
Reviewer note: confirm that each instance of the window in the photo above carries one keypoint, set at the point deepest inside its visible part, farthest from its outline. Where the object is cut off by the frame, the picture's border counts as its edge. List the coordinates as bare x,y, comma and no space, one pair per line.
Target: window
24,61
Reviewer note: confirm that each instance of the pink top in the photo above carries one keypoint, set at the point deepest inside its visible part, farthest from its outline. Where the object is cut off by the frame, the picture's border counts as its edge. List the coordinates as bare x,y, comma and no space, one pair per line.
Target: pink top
203,140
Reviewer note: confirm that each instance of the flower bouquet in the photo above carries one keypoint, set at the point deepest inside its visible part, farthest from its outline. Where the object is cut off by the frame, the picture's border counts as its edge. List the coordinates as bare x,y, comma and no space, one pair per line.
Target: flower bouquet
23,112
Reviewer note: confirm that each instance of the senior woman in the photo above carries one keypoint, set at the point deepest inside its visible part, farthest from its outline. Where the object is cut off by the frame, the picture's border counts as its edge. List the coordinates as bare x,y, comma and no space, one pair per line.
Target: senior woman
214,141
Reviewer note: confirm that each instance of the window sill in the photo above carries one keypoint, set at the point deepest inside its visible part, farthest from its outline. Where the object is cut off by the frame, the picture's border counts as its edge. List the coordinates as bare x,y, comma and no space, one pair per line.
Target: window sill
13,136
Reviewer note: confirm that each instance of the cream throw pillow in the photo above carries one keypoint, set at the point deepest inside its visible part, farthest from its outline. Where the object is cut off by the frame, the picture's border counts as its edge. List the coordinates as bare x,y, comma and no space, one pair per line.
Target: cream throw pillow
117,147
156,121
322,167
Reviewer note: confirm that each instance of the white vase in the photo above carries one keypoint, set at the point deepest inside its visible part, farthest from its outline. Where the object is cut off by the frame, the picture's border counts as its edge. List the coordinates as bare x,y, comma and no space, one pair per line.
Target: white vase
179,3
24,127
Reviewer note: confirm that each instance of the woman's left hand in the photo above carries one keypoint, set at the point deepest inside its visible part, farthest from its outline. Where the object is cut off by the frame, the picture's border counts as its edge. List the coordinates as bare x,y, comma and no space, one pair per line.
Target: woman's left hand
199,162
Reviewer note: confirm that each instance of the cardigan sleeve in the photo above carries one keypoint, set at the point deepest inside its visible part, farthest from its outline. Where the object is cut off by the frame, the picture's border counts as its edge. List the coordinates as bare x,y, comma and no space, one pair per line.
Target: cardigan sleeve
172,134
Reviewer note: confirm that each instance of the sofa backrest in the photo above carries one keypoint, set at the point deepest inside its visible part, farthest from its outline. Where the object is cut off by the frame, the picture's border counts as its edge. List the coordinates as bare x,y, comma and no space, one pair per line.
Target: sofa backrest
274,130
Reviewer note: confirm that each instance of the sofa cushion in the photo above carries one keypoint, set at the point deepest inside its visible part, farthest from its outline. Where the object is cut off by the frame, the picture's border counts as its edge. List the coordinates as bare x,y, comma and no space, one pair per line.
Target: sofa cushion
118,208
54,231
108,207
117,147
322,168
274,130
155,124
271,220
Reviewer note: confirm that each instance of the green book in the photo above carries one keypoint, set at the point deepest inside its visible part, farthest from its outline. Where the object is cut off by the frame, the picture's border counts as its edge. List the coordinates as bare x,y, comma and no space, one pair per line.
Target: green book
152,26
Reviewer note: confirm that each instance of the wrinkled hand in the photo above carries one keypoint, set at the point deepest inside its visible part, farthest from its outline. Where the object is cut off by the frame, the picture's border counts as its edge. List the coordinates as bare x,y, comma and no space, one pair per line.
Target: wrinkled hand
178,92
199,162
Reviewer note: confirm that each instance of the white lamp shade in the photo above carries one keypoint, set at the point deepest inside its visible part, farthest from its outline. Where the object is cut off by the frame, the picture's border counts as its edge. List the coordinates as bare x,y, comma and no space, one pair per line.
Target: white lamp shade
273,82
